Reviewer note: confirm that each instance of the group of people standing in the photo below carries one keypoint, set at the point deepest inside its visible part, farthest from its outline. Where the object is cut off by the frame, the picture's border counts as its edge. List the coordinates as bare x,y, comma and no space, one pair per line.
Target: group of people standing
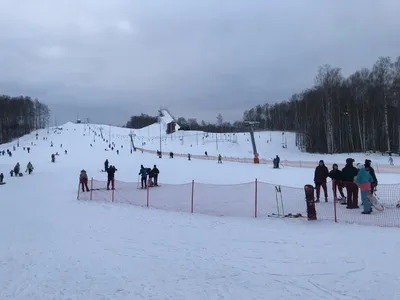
147,176
352,178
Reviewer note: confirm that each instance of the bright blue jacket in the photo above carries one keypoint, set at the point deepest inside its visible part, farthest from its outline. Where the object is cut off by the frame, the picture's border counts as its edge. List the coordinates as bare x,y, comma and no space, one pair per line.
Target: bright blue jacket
363,176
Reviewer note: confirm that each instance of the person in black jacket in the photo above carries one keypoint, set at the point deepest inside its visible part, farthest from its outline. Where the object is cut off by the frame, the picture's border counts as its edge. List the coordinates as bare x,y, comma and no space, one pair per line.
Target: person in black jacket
110,177
320,175
349,172
371,171
336,175
155,172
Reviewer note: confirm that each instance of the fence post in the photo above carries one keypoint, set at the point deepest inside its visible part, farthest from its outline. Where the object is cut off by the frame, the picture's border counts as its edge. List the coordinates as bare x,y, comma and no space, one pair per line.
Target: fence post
192,201
79,185
113,190
91,188
148,196
256,198
334,209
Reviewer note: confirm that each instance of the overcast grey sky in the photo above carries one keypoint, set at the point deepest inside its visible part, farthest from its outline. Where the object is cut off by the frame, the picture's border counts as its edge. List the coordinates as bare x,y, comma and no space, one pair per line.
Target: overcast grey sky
109,59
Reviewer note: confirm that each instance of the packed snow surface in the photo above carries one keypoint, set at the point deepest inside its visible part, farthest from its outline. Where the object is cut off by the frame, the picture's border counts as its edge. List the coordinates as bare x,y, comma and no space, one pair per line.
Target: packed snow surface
56,247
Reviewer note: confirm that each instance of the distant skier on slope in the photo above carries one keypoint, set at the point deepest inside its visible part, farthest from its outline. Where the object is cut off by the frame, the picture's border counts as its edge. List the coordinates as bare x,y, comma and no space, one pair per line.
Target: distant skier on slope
1,178
29,168
219,158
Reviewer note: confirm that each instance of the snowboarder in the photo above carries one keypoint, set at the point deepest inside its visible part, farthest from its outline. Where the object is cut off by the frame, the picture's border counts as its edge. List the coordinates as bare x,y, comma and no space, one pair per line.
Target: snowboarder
110,177
320,175
83,180
29,168
391,161
53,158
363,180
349,172
143,173
336,175
106,165
371,171
219,158
155,173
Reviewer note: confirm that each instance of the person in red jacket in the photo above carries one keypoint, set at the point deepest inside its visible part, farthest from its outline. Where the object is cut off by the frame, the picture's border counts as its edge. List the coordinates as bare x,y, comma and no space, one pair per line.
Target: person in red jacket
320,175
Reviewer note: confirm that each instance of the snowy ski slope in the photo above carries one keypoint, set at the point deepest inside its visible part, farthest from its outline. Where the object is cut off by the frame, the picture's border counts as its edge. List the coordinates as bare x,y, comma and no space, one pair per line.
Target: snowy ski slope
55,247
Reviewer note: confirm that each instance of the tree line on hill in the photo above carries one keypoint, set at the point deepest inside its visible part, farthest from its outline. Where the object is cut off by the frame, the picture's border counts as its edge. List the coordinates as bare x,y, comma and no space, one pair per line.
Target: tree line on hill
20,116
358,113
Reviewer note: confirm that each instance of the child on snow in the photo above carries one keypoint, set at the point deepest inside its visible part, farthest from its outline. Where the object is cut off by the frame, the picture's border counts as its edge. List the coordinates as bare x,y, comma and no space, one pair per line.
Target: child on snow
363,181
336,175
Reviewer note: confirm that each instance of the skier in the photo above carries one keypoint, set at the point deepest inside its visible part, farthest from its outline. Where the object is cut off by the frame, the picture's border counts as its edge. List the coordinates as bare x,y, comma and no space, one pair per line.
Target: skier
320,175
219,158
363,180
28,149
1,178
155,173
110,177
29,168
53,158
143,173
188,156
83,180
391,161
371,171
336,175
349,172
171,155
106,165
205,153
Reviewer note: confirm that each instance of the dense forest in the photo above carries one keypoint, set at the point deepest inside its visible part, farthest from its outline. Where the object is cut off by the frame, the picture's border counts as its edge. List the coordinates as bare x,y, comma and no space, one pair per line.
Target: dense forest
359,113
20,116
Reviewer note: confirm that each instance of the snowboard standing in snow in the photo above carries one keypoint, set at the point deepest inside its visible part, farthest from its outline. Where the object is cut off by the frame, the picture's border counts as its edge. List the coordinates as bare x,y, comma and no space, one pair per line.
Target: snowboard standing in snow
375,203
311,212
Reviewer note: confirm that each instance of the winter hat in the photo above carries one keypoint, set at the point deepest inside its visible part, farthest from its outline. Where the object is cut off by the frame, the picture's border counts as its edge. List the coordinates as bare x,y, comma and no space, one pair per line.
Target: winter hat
359,166
367,163
155,166
335,165
321,162
349,160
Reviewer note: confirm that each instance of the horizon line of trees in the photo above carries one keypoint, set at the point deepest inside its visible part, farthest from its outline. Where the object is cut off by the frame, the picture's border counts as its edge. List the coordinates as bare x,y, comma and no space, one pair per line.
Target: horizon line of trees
358,113
21,115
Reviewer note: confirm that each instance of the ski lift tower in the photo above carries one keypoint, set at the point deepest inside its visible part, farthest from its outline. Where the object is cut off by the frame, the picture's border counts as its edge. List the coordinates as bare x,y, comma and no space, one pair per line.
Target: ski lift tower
253,141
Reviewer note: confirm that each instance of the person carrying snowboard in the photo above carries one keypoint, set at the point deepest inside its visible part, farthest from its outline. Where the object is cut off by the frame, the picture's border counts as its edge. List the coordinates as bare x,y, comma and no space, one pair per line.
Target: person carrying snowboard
336,175
143,174
155,172
349,172
83,180
371,171
110,177
320,175
106,165
363,180
29,168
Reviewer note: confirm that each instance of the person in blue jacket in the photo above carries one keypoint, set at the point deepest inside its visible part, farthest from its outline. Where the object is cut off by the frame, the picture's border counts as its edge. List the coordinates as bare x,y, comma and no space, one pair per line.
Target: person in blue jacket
364,180
143,173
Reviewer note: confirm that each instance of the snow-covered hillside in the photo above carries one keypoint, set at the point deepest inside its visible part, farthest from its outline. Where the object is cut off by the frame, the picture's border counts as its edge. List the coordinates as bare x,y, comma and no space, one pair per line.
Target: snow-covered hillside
55,247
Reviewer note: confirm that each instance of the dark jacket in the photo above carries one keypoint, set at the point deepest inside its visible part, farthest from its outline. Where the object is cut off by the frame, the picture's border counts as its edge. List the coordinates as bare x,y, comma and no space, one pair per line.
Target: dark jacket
335,175
155,171
349,172
111,172
143,172
321,173
372,173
